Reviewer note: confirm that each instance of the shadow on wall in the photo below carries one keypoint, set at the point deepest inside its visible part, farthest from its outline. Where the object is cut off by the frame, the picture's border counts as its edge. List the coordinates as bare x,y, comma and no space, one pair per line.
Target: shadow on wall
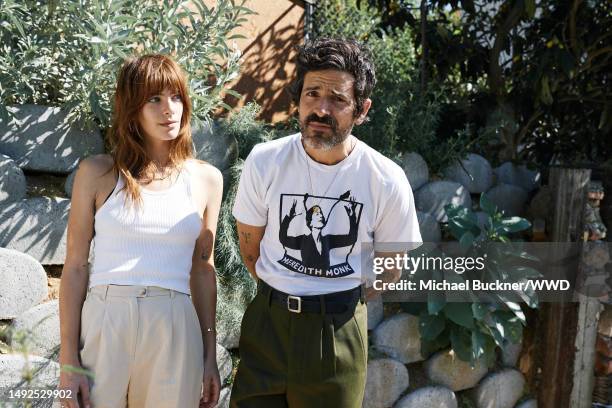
268,66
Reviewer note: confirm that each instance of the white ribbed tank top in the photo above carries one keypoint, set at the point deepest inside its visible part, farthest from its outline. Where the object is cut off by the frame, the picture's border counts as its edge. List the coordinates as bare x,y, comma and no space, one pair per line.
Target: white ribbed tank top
151,244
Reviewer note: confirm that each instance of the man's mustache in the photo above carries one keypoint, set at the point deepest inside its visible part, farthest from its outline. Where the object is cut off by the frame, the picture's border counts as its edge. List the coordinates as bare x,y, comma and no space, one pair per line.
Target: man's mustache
326,120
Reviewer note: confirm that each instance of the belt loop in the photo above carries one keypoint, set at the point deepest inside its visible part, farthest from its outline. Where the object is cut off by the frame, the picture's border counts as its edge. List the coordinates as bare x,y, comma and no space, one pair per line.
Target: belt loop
106,291
322,302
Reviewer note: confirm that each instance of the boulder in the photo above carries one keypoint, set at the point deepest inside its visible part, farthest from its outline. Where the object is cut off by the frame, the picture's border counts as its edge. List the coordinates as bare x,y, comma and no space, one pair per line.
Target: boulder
386,381
501,389
45,373
434,196
375,312
508,198
520,176
399,338
36,226
429,397
215,147
44,141
12,181
474,173
416,170
224,362
24,283
482,219
430,229
447,369
40,325
528,404
511,353
224,397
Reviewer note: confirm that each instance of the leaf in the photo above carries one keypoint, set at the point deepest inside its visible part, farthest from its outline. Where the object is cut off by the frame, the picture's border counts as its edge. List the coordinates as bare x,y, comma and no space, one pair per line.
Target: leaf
435,302
467,240
487,206
515,224
460,313
430,326
479,310
461,342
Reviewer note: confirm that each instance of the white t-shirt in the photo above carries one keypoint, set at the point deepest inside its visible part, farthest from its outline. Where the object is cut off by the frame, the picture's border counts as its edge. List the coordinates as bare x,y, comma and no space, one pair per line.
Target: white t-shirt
319,217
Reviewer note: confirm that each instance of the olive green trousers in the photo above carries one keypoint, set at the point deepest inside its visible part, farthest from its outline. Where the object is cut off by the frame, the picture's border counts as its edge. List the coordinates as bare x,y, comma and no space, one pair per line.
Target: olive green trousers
300,360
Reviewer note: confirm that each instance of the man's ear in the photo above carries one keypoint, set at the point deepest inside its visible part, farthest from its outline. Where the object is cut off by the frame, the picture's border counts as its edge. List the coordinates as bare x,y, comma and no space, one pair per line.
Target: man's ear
367,104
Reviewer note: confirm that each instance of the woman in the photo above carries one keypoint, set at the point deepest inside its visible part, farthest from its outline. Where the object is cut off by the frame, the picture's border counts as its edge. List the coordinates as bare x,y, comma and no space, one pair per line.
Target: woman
152,211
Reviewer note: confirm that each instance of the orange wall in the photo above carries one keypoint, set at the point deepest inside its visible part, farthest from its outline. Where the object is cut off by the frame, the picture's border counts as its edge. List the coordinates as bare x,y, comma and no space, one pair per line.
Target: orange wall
268,54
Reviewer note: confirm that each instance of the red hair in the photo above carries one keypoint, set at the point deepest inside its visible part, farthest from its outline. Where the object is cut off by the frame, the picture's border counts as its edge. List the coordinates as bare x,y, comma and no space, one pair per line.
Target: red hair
139,79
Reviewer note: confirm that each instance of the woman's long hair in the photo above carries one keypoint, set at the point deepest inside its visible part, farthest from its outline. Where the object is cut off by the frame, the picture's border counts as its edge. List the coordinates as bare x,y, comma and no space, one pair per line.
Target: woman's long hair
139,79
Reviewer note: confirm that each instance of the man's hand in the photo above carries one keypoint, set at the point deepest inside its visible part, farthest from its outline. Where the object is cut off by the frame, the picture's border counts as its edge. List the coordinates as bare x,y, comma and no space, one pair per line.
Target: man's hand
74,383
211,384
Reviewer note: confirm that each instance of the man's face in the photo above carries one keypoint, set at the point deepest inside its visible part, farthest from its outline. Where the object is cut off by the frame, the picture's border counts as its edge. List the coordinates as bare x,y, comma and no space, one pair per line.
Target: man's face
327,108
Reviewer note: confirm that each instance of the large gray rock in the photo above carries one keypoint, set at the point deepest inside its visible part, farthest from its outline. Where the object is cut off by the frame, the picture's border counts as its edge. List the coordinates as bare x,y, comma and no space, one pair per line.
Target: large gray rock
521,176
429,397
224,397
224,363
430,229
500,390
447,369
416,170
386,380
508,198
36,226
214,147
12,181
434,196
511,353
474,173
375,312
23,283
399,338
40,325
44,372
43,141
528,404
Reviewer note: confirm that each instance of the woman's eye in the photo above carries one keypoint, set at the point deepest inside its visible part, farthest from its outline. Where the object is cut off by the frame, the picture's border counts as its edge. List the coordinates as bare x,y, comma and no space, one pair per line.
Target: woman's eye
177,97
153,99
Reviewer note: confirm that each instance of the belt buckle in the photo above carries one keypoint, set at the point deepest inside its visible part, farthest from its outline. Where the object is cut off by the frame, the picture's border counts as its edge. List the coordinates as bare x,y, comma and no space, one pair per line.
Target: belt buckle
298,309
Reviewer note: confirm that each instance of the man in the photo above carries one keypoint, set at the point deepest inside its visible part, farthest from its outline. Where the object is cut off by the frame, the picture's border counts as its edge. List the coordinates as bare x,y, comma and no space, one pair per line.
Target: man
304,336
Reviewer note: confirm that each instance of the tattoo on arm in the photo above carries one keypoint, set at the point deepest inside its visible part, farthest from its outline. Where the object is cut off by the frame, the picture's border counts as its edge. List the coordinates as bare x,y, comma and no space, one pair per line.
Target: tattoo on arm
207,251
246,236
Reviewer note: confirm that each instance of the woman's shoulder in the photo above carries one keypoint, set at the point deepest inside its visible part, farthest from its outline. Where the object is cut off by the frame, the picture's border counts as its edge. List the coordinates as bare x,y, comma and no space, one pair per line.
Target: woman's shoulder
205,172
98,167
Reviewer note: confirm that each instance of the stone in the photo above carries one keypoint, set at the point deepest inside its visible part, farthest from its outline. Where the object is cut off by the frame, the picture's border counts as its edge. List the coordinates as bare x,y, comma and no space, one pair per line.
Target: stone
520,176
540,205
604,326
69,183
12,181
508,198
416,169
474,173
36,226
434,196
399,338
511,353
430,229
224,397
40,325
447,369
482,219
224,363
43,141
501,389
215,147
45,372
375,312
528,404
596,254
428,397
24,283
386,381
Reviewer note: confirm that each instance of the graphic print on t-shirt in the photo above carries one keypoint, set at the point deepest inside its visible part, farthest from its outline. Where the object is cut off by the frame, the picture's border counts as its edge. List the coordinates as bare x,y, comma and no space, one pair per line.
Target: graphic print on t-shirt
311,227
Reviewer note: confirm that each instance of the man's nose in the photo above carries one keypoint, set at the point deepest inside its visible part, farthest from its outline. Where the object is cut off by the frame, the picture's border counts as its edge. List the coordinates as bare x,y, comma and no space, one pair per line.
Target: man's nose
322,108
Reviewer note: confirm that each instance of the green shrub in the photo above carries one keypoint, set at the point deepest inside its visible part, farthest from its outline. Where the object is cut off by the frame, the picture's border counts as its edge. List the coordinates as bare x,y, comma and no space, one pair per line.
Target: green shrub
67,52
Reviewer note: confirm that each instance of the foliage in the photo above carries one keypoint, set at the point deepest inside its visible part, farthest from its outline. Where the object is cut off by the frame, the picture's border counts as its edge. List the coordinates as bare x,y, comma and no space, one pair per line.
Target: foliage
68,53
474,328
403,117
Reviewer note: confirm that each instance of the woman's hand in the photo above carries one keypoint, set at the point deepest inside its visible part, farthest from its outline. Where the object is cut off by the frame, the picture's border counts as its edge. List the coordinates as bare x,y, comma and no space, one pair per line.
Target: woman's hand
211,384
74,384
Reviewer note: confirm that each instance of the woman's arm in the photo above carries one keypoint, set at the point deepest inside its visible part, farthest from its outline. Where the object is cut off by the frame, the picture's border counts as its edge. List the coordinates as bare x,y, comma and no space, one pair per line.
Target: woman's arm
203,280
75,274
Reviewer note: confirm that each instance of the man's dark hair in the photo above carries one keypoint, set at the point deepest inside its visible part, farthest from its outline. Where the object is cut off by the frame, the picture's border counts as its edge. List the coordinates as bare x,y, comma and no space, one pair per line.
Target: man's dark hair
344,55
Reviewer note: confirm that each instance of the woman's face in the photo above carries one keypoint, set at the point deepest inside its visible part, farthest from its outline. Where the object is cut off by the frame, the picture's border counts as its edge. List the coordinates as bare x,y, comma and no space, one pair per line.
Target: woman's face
160,117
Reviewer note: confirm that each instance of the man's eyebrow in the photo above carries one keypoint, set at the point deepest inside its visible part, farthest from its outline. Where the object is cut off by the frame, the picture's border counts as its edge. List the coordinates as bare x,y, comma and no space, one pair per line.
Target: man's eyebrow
313,88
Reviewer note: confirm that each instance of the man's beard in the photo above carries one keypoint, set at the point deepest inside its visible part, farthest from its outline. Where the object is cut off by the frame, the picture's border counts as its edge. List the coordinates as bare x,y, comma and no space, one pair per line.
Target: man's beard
321,140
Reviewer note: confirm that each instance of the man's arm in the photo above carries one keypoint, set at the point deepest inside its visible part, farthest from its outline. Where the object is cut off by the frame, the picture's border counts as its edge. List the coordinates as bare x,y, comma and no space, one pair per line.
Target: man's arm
389,275
249,238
